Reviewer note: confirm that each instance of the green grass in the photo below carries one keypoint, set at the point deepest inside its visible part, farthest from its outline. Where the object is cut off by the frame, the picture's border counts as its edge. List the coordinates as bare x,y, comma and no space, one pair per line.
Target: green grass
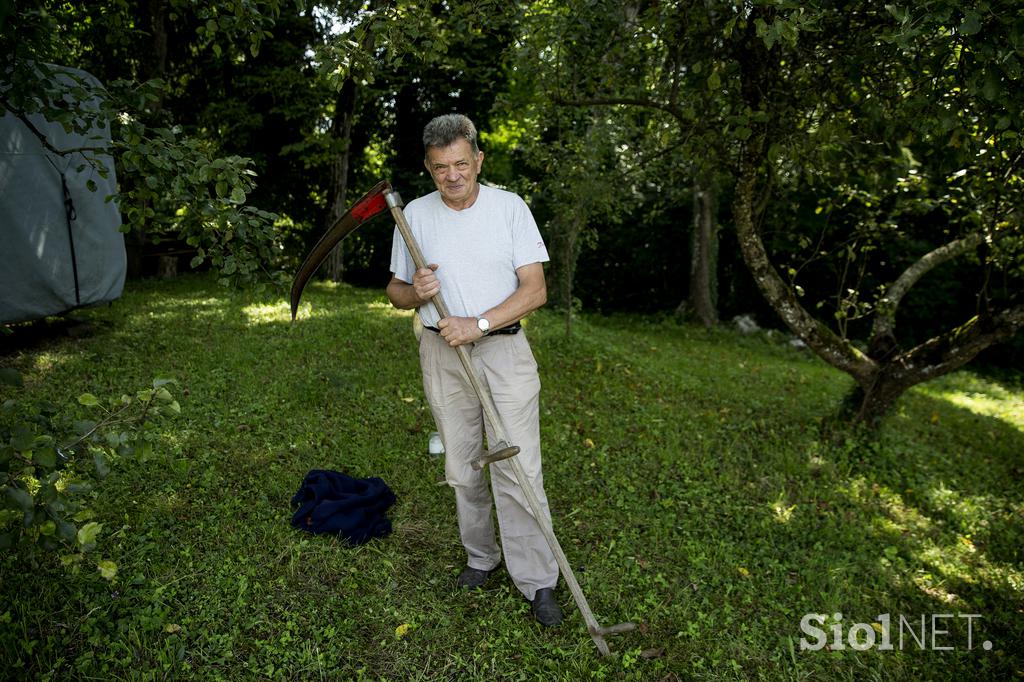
690,485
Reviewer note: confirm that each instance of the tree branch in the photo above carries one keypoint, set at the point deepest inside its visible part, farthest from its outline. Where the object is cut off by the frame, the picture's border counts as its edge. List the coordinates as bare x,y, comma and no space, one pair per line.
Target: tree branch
633,101
834,350
885,316
954,349
21,116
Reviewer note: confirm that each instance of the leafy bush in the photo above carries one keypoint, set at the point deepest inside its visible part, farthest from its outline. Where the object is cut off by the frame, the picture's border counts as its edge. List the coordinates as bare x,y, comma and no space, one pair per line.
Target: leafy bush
52,458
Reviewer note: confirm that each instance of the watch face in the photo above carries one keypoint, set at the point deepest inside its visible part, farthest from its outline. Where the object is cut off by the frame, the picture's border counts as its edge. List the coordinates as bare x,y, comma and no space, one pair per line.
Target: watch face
483,324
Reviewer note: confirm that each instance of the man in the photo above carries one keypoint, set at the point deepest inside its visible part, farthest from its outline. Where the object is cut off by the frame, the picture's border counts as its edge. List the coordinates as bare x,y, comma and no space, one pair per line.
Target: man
486,254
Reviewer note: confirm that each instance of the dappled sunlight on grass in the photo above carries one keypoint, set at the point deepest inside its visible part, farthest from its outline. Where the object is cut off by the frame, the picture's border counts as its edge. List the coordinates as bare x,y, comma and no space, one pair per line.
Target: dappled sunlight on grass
262,313
904,517
968,510
49,361
930,553
688,476
781,511
186,306
979,396
385,308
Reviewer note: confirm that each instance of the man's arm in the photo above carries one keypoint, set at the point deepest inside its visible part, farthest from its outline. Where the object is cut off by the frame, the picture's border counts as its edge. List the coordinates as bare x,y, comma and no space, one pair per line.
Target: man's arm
424,287
531,294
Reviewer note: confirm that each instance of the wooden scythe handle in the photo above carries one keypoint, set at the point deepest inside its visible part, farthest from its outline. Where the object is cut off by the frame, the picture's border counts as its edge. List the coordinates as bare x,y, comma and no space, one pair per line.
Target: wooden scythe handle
597,632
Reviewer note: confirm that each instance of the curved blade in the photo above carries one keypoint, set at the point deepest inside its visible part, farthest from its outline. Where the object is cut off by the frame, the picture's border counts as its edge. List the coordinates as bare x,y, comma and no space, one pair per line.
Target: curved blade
371,204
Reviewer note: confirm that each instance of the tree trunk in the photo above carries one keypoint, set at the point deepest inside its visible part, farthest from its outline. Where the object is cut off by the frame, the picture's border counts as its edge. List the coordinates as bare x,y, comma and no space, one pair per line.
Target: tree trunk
154,60
883,337
564,254
940,355
153,65
702,298
836,351
341,136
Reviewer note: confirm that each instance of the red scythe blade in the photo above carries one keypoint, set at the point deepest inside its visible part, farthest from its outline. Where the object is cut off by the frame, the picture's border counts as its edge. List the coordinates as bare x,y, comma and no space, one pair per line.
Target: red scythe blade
369,206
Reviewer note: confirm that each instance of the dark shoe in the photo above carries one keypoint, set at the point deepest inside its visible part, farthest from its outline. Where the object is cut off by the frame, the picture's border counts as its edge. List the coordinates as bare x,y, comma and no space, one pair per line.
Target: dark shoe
545,608
473,578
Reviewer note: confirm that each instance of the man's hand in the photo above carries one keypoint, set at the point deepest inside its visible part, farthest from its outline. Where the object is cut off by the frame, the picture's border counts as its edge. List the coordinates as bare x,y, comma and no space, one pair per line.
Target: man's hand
459,330
425,283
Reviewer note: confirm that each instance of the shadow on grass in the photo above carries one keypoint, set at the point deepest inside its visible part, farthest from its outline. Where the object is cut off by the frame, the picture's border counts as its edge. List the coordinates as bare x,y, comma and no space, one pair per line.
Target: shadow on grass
689,485
779,522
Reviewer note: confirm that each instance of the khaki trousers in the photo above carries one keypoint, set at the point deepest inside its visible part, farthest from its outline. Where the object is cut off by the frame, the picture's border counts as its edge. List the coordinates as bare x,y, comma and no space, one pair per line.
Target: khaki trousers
506,366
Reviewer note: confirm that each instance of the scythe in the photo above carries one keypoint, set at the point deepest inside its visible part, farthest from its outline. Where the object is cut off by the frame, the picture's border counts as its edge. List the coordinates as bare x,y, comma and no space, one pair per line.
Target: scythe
369,206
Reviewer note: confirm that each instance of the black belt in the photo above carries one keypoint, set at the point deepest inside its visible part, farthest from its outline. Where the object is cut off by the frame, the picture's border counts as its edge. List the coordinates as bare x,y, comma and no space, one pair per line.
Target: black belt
511,329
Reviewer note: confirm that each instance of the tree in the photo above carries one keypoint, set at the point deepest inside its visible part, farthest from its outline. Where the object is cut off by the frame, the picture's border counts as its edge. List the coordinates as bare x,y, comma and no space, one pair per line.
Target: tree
168,180
390,66
653,70
931,94
864,149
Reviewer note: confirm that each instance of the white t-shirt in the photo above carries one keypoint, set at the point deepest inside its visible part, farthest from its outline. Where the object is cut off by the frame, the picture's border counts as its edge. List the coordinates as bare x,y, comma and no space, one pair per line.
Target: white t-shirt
477,249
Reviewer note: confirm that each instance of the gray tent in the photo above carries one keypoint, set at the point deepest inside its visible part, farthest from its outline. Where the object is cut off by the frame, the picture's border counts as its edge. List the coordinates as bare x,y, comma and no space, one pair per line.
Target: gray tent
60,244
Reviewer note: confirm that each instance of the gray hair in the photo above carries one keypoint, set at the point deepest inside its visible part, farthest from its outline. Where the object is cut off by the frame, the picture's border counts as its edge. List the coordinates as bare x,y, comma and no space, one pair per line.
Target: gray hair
443,131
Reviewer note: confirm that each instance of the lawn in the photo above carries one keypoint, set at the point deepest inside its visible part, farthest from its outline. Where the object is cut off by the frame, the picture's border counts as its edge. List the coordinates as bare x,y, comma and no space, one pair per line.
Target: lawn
690,483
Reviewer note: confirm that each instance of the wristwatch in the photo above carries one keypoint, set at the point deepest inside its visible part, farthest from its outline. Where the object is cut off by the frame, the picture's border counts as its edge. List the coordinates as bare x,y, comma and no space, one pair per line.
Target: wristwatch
483,325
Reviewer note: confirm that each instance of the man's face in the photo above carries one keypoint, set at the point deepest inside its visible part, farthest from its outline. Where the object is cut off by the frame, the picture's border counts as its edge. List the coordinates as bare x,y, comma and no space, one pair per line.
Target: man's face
454,169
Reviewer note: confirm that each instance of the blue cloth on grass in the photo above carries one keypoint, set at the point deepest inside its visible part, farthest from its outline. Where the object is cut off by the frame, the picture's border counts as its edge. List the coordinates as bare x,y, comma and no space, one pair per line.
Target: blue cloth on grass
353,508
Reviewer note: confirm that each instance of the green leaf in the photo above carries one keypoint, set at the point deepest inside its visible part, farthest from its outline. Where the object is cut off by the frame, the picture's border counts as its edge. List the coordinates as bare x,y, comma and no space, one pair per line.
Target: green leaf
87,535
88,399
66,531
20,497
45,457
99,460
83,427
992,88
972,23
23,438
11,377
238,195
84,514
107,568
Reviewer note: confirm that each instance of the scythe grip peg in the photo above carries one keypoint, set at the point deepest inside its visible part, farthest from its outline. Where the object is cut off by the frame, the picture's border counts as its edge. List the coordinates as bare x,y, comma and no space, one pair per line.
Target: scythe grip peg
503,452
613,629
